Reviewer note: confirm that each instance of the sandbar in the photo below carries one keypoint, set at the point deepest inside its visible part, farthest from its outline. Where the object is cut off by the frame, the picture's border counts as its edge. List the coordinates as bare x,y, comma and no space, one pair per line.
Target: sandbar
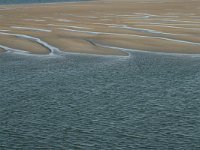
171,26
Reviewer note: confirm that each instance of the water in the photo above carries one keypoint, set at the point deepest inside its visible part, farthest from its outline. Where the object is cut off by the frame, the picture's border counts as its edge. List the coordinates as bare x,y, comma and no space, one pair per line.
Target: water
145,101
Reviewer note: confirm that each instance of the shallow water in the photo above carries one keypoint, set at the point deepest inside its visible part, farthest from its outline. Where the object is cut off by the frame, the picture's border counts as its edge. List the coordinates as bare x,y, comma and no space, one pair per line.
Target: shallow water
145,101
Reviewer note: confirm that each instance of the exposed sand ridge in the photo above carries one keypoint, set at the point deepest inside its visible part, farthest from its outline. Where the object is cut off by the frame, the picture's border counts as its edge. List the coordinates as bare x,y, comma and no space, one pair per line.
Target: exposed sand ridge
114,25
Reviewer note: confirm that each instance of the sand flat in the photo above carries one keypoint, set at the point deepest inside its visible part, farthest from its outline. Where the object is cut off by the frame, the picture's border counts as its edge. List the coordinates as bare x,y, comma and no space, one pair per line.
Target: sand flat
22,44
167,26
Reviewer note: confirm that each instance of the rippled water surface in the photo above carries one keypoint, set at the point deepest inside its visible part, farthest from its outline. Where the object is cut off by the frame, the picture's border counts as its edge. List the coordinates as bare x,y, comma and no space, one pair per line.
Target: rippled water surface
145,101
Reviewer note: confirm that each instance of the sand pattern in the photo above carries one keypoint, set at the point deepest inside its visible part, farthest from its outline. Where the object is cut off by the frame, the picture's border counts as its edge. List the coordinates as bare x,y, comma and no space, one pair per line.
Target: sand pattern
105,27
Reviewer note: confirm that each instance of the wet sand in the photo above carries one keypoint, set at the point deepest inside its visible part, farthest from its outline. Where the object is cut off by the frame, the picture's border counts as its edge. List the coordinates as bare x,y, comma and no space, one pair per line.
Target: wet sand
23,44
96,26
1,50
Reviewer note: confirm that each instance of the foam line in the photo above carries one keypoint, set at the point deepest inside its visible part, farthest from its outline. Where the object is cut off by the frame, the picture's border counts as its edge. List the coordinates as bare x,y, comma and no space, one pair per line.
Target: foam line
131,35
33,29
4,30
64,20
75,27
81,31
105,24
8,49
156,23
53,50
37,20
167,26
142,30
184,21
78,16
128,50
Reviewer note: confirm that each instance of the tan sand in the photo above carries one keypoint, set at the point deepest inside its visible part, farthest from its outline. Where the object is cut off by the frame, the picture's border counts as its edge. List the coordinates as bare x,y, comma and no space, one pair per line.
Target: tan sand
22,44
163,26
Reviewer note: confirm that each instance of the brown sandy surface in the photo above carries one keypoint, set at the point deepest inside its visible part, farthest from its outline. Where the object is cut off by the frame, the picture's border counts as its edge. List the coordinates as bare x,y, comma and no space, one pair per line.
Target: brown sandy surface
23,44
150,25
1,50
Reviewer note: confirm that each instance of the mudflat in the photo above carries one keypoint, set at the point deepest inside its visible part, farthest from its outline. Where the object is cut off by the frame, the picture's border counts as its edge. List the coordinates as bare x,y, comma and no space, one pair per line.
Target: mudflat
103,26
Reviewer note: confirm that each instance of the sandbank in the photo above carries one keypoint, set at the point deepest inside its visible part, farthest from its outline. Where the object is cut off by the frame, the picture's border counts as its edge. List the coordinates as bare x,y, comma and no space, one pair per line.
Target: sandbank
171,26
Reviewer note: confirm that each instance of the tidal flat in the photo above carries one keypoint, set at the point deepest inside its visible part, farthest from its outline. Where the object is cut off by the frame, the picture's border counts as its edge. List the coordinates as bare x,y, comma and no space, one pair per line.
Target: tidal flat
100,75
95,27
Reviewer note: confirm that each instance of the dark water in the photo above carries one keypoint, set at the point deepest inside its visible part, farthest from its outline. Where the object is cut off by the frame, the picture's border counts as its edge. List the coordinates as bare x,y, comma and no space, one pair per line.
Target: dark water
34,1
146,102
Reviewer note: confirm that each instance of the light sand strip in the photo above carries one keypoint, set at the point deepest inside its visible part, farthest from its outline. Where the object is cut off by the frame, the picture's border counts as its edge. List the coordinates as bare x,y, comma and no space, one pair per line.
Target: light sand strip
143,30
53,50
131,35
75,27
32,29
8,49
37,20
128,50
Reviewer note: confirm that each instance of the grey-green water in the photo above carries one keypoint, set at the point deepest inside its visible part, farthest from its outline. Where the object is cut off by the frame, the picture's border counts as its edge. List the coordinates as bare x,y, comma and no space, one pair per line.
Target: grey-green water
146,101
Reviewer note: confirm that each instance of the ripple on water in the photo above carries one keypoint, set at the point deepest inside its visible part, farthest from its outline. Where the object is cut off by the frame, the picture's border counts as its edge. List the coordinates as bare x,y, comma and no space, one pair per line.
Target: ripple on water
148,101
